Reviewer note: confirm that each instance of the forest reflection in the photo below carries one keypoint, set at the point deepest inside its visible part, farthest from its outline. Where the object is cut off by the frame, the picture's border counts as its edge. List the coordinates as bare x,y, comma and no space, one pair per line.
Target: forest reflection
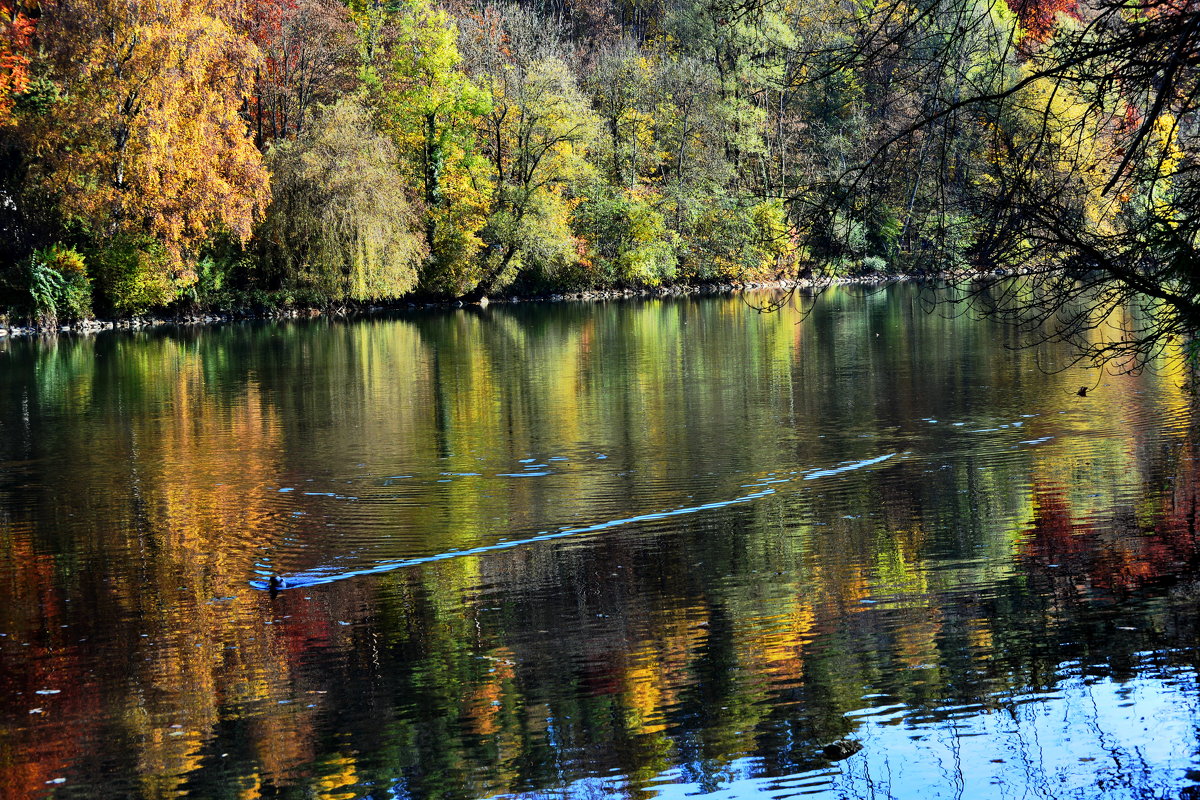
1006,599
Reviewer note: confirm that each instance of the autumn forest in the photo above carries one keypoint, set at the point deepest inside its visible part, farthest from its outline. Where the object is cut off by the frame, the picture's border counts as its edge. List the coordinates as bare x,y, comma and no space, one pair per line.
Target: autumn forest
222,154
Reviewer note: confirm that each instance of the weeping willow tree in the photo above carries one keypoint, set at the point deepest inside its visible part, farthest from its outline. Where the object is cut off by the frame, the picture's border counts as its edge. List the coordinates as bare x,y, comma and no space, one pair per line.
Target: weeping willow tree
340,226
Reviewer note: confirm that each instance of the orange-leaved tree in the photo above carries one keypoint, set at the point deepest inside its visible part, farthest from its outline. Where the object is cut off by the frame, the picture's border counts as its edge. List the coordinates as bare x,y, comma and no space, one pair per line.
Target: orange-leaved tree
17,25
1039,17
309,60
147,145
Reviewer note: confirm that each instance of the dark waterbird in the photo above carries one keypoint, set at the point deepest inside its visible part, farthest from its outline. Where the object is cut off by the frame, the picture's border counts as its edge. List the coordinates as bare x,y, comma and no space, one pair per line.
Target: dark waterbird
842,748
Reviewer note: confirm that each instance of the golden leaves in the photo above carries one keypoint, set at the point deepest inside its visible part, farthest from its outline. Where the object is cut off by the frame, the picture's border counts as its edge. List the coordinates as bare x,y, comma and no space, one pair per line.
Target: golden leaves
149,140
16,34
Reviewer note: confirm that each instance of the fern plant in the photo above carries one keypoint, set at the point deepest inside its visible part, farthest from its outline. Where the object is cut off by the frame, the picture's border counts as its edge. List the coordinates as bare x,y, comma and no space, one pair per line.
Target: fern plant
59,287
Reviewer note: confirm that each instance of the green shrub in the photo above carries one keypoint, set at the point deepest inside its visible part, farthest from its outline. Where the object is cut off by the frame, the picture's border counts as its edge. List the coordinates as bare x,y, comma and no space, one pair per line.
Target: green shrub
872,264
59,288
133,275
627,240
848,243
222,276
738,242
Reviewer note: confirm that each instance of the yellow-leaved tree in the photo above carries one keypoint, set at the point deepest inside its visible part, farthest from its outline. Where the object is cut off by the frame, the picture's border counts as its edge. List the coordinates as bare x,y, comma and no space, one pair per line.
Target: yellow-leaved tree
431,108
536,138
146,149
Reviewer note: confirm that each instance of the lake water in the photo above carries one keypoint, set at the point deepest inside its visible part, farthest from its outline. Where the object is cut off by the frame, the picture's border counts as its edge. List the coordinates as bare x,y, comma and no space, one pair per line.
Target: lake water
642,549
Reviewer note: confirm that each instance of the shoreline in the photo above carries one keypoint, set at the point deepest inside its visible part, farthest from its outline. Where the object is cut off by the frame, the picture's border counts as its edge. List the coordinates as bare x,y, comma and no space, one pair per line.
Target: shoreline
94,325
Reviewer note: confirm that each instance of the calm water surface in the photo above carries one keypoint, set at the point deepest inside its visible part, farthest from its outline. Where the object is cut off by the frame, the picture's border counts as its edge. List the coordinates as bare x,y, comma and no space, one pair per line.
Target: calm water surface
649,549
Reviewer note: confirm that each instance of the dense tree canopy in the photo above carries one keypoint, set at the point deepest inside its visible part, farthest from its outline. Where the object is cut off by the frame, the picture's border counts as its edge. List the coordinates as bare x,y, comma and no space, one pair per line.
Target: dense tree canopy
1085,173
145,141
576,144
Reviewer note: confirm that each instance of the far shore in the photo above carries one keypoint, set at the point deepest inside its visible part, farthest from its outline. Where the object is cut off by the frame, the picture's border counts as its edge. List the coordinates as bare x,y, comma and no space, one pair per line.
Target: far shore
201,317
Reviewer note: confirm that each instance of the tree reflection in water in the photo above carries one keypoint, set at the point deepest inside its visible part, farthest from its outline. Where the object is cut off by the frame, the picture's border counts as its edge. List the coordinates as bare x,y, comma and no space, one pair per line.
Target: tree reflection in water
1004,607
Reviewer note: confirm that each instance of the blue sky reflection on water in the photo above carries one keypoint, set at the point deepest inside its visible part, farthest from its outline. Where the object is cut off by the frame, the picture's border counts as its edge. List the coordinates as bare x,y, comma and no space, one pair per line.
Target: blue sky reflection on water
1085,738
